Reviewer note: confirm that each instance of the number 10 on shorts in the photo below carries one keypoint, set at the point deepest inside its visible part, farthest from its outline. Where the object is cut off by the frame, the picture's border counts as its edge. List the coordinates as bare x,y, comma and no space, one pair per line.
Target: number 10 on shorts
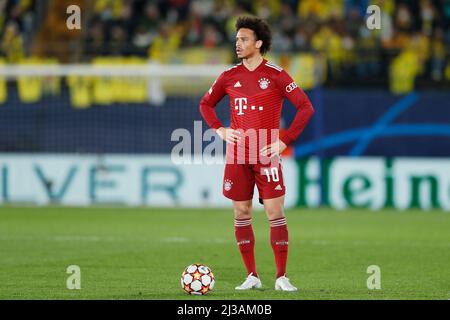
272,174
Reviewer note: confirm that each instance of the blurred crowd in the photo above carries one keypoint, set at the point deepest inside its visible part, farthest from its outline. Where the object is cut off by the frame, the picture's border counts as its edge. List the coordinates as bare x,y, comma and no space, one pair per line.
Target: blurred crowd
335,28
16,25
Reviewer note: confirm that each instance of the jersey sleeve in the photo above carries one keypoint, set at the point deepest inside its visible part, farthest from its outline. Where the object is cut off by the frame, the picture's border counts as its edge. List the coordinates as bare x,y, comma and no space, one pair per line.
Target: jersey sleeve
210,100
301,101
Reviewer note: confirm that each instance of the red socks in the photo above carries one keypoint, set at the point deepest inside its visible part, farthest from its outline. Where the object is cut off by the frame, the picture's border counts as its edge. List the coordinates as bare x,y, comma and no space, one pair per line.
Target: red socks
279,241
246,242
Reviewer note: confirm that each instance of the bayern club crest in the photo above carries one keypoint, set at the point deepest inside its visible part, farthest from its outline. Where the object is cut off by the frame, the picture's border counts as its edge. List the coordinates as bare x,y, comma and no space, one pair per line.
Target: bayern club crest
227,185
264,83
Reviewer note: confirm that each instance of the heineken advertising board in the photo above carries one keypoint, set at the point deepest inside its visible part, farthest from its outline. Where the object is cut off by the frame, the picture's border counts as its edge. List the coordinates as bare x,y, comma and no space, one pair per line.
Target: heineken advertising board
132,180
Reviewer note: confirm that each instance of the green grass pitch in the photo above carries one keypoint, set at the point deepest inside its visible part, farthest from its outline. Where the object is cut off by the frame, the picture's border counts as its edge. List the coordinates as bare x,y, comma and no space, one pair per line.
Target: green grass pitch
140,253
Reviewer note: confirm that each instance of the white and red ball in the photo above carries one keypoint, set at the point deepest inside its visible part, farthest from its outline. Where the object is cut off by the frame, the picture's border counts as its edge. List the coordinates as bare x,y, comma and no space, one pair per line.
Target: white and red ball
197,279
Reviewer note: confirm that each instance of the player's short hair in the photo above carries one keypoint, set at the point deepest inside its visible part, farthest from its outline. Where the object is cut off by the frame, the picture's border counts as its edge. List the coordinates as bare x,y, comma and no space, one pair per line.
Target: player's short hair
260,28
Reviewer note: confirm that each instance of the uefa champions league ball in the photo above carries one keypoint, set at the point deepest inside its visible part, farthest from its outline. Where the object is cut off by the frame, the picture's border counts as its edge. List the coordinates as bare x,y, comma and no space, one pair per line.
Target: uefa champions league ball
197,279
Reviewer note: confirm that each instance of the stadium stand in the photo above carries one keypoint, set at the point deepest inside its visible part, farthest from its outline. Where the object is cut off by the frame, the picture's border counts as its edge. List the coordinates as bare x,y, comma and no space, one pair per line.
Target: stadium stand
414,32
324,45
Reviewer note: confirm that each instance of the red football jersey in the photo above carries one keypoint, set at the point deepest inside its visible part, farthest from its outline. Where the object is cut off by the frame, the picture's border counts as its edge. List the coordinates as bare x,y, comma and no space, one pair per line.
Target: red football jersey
256,100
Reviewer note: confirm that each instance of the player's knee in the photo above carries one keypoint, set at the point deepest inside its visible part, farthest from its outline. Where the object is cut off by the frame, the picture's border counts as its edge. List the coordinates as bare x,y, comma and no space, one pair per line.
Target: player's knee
243,212
274,213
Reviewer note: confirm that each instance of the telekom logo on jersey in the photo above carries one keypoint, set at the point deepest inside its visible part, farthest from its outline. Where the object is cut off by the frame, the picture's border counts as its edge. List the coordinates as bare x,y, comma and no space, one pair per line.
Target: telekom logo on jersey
241,104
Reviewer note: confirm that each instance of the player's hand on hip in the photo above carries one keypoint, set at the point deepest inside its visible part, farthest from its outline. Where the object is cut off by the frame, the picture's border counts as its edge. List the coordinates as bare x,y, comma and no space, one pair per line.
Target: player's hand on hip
273,149
229,135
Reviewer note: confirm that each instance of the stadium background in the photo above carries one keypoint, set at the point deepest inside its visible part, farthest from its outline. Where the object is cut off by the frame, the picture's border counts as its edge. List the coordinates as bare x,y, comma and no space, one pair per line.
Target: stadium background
87,116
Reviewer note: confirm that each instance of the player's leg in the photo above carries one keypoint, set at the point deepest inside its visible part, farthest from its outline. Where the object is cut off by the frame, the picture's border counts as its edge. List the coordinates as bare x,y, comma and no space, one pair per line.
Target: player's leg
279,235
246,242
279,239
243,232
272,190
239,183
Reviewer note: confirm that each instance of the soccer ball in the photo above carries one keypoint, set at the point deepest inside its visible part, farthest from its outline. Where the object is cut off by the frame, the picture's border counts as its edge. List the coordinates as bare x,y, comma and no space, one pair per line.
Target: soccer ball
197,279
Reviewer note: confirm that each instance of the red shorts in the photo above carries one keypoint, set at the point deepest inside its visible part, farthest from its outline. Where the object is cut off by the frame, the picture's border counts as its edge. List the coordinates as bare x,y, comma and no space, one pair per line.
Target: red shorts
239,181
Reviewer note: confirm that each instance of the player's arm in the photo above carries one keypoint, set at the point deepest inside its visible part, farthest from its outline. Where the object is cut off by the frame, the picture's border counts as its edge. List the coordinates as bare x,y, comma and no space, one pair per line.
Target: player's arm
208,111
301,102
304,113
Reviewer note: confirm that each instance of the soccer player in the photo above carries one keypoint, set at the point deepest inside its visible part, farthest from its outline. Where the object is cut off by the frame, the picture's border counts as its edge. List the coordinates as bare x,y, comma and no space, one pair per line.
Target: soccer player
256,89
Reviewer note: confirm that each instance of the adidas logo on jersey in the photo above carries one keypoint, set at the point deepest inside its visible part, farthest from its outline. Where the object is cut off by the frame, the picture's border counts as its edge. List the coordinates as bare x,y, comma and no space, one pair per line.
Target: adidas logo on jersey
237,85
278,188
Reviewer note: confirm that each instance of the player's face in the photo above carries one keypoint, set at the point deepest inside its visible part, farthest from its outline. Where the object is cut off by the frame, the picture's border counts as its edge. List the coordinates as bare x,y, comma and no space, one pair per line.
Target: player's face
246,44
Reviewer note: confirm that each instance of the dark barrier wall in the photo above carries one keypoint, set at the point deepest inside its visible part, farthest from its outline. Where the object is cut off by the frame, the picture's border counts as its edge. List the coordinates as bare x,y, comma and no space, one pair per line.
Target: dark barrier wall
356,122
